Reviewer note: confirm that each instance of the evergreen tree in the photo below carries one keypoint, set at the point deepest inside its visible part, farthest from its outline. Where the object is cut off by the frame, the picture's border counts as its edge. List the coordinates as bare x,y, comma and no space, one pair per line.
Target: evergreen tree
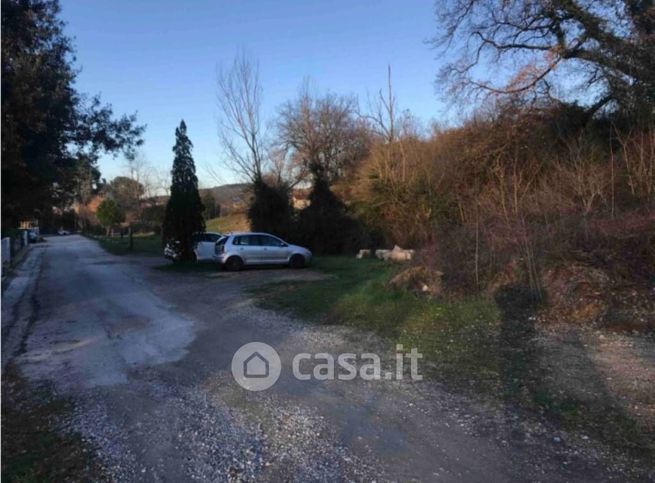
184,209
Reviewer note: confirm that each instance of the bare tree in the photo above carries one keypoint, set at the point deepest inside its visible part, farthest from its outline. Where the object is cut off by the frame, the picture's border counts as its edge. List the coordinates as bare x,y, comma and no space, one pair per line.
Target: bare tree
324,134
286,170
155,181
239,97
162,180
608,45
139,169
214,172
395,132
384,111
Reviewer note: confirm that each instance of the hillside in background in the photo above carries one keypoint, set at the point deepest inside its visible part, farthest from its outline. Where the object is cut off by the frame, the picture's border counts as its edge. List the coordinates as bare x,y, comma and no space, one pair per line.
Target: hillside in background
228,223
233,198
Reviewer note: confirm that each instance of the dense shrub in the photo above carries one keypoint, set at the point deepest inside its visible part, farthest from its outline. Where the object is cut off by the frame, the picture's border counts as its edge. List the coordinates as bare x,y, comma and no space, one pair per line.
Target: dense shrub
326,226
270,210
512,190
152,217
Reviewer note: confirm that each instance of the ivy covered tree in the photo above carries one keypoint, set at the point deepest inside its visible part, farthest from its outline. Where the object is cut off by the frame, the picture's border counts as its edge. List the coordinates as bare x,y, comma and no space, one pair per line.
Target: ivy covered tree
52,135
270,210
326,226
326,136
184,209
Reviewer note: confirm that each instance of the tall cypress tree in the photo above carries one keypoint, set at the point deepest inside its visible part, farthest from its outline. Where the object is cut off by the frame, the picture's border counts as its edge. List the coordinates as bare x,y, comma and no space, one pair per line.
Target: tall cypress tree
184,209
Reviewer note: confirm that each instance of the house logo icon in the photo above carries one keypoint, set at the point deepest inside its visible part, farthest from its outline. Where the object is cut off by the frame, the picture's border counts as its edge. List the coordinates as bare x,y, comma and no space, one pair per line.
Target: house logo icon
256,366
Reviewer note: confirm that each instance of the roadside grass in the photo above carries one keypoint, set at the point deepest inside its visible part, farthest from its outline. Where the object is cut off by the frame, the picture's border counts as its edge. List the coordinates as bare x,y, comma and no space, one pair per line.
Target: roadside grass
141,245
150,245
33,450
228,223
472,344
311,299
460,337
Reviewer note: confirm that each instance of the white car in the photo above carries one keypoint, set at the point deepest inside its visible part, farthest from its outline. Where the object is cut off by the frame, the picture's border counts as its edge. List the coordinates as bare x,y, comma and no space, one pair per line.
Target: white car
204,245
236,250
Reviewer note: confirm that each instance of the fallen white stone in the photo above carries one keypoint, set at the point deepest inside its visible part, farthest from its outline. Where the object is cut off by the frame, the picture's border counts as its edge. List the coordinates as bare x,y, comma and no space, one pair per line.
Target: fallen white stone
400,254
397,254
382,254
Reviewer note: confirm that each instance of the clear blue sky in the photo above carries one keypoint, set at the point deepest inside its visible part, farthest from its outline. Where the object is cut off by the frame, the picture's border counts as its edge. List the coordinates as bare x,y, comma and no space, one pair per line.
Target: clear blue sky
160,57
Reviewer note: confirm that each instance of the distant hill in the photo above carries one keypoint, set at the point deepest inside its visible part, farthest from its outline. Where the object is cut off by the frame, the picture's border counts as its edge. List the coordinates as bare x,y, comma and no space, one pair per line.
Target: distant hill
233,198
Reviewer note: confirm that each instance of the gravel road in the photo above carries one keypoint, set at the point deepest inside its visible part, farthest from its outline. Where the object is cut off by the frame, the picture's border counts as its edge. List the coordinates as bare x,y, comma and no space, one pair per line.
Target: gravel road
145,356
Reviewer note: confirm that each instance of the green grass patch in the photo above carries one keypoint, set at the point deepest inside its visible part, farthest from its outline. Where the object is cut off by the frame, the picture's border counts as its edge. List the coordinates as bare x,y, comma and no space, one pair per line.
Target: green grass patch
141,245
311,300
461,337
151,245
228,223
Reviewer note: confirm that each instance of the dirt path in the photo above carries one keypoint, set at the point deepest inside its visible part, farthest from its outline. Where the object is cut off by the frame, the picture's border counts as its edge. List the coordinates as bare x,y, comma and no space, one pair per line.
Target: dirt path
145,355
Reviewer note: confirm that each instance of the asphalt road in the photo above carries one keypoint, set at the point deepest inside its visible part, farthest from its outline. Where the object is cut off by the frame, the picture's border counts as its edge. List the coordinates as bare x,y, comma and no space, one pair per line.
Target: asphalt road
145,356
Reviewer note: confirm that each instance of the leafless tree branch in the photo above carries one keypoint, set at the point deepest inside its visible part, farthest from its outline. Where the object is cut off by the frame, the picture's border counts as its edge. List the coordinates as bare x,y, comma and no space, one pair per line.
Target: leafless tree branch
239,99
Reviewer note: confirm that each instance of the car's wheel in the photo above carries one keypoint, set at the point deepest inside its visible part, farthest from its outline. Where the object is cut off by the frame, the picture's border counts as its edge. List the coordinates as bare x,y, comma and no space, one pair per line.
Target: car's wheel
297,261
234,264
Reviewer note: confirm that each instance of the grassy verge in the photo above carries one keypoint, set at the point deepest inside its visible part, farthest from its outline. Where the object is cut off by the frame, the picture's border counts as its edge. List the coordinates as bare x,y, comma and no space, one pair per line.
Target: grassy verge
151,245
141,245
473,344
32,448
458,336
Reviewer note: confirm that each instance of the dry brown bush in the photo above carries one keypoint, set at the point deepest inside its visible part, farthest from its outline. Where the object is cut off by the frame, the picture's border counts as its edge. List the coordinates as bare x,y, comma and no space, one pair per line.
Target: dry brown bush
638,157
520,186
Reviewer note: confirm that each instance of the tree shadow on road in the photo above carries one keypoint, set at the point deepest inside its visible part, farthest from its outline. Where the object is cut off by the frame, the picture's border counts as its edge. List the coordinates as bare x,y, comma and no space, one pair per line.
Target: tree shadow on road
527,382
